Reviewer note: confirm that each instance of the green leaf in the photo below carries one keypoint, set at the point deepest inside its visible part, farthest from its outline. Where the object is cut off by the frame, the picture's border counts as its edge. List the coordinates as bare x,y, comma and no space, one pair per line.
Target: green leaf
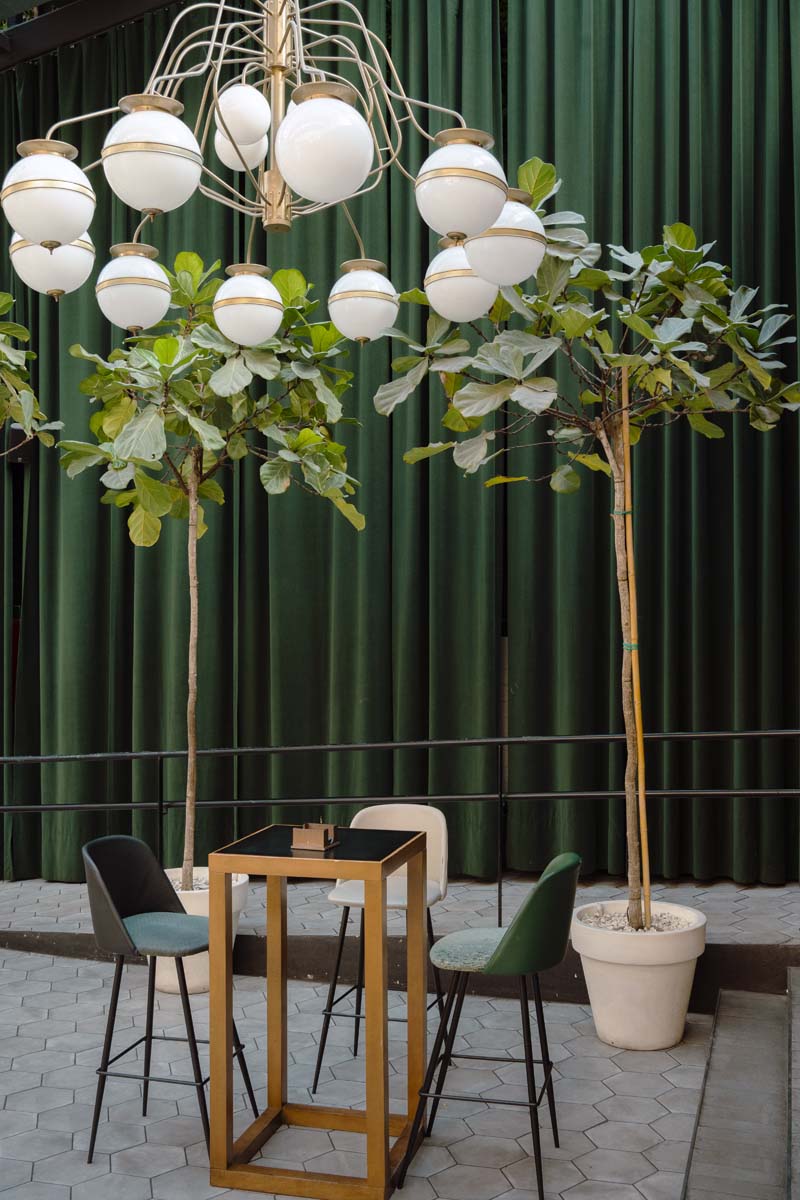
210,437
27,404
680,235
471,453
414,296
210,490
192,264
143,437
348,510
237,446
638,325
565,480
593,461
420,452
478,399
166,350
701,424
328,399
538,179
275,475
143,527
232,377
493,482
456,421
536,395
206,337
435,329
753,365
13,330
389,395
740,301
292,286
154,497
78,456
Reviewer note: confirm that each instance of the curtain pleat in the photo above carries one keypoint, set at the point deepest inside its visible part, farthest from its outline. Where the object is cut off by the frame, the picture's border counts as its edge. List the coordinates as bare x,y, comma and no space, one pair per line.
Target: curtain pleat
653,111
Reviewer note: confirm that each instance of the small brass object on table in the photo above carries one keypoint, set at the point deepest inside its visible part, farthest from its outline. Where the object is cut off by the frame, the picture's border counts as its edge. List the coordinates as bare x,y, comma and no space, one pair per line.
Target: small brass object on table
316,838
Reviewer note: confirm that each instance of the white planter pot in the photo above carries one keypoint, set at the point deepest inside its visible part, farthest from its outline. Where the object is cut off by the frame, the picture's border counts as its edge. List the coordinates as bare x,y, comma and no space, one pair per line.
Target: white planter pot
639,983
196,903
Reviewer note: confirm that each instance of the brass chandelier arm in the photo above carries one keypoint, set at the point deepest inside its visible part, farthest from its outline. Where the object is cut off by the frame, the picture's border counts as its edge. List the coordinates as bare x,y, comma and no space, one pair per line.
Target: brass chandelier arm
101,112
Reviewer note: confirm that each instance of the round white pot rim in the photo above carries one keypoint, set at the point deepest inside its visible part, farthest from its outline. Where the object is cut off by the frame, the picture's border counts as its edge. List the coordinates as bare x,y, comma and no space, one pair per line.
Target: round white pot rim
639,949
201,873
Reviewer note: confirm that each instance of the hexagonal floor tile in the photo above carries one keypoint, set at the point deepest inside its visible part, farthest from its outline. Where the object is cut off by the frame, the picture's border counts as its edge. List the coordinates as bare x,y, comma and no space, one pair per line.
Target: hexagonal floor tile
185,1183
639,1083
615,1166
470,1183
631,1108
70,1167
666,1185
486,1151
558,1175
35,1145
111,1137
623,1135
669,1156
113,1187
147,1161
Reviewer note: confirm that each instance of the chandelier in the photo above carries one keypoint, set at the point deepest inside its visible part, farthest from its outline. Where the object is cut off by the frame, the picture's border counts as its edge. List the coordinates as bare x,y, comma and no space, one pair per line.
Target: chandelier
301,108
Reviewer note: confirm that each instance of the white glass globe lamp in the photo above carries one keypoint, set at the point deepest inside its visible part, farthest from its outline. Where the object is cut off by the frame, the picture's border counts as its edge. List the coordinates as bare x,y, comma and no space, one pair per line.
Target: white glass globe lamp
45,196
132,290
461,188
452,287
231,155
150,157
248,308
362,303
53,272
512,249
243,114
324,147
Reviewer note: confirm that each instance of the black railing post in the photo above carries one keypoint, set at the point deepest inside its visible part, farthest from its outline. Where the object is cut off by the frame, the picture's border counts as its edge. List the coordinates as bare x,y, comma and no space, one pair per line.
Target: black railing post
160,811
501,825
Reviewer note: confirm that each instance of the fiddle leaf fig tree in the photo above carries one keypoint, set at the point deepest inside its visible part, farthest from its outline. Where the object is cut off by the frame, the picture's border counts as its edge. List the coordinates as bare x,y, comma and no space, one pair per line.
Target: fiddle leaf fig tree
174,409
18,405
660,335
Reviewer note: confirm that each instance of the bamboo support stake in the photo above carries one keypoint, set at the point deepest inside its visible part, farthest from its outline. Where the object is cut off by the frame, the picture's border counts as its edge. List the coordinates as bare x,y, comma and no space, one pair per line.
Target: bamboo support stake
637,683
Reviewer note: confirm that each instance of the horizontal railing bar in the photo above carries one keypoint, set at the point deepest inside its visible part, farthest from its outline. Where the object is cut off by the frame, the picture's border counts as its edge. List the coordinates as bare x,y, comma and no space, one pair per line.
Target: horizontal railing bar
10,810
544,739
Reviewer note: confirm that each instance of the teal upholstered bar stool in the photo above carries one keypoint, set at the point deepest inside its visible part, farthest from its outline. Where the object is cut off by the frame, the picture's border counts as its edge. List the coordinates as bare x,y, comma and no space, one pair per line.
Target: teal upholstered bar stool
535,941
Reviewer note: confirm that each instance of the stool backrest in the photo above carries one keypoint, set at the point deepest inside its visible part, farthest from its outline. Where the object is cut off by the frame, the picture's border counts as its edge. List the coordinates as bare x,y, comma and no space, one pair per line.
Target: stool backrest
416,818
537,938
124,878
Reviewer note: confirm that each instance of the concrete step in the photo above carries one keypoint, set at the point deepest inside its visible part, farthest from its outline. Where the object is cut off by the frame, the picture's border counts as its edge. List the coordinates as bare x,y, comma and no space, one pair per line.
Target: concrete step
739,1150
794,1082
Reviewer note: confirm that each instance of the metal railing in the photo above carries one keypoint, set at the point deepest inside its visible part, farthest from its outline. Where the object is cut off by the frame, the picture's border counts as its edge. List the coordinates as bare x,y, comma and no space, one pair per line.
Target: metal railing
499,795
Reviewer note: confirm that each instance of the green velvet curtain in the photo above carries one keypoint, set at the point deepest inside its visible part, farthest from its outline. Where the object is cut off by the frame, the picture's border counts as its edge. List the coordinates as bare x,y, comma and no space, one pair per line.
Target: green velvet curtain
653,111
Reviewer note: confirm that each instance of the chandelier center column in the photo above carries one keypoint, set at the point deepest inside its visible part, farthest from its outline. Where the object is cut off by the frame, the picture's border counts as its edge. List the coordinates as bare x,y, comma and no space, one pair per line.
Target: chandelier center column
278,198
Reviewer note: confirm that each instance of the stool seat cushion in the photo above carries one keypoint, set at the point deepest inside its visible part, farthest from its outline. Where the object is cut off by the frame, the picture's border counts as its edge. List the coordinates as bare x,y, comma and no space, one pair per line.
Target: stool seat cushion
467,950
350,893
168,933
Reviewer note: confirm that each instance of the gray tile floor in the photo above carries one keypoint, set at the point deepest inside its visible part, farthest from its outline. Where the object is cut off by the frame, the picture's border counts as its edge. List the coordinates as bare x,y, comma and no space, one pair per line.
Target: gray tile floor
626,1118
735,914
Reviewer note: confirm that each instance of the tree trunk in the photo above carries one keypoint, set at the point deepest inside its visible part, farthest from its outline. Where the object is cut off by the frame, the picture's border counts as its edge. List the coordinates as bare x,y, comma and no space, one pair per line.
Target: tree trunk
187,873
617,463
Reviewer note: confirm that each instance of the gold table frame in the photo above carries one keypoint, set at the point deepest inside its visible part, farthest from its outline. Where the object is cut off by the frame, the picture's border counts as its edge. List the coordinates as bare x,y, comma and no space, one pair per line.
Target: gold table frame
230,1159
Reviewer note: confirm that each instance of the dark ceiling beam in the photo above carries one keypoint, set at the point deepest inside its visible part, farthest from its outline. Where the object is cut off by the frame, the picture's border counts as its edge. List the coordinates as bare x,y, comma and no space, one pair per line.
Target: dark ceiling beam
71,22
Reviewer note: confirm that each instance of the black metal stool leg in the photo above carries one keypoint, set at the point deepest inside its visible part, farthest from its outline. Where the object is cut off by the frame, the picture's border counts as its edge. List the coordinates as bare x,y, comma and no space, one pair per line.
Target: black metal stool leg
193,1054
106,1054
359,983
148,1030
548,1066
448,1050
326,1021
437,975
526,1037
428,1080
238,1050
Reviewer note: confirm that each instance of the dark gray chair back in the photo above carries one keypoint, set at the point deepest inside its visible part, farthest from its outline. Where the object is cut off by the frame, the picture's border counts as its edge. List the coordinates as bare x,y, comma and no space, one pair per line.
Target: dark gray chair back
124,878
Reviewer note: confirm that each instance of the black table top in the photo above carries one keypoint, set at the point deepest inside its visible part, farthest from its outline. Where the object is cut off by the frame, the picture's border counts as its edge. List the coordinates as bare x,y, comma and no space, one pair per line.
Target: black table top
354,845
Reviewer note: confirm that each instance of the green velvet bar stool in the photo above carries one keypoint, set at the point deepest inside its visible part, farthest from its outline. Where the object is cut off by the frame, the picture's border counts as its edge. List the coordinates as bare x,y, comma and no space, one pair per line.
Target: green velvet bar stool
535,941
136,911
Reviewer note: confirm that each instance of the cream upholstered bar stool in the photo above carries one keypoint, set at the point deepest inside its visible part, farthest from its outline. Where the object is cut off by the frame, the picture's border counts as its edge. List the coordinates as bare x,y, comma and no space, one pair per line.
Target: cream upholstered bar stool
349,893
